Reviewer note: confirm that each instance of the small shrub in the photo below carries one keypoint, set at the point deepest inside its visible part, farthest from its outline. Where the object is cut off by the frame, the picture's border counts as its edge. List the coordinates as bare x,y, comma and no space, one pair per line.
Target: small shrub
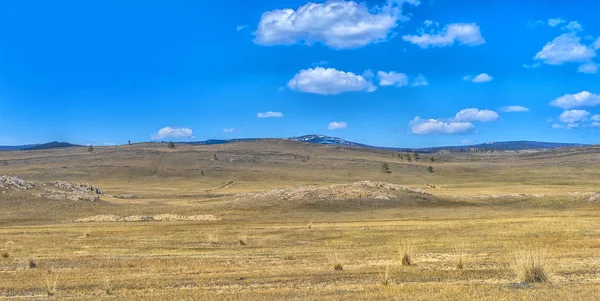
288,257
406,254
432,159
108,287
430,169
459,253
243,239
531,266
49,283
5,253
90,148
385,277
336,262
32,263
310,224
171,145
385,168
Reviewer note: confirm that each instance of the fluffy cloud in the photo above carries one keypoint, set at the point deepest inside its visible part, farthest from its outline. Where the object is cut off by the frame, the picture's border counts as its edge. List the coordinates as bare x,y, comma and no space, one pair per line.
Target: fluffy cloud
591,68
229,130
241,27
173,133
482,78
553,22
581,99
573,26
515,109
473,114
329,81
419,81
595,118
392,78
596,44
433,126
337,125
596,124
269,114
337,24
558,126
565,48
573,117
463,33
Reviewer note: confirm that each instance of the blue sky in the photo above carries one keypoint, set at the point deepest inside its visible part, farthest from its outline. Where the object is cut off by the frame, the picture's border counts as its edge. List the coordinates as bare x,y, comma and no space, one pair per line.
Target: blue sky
383,72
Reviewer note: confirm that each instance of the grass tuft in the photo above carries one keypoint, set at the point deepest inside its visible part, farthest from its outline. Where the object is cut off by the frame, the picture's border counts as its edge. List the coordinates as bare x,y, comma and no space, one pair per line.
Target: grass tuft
243,239
32,262
50,283
459,253
213,238
385,277
531,266
336,262
5,253
406,254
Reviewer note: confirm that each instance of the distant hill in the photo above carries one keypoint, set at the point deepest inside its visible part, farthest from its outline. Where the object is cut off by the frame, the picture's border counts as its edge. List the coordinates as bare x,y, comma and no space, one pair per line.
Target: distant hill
327,140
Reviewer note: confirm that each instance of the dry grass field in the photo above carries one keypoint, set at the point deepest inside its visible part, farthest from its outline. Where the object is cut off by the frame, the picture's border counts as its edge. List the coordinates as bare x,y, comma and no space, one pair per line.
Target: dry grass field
294,224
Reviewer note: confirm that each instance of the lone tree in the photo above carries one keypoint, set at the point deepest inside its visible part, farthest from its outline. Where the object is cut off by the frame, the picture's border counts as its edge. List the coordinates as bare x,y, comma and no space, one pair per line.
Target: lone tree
215,157
408,157
129,142
430,169
90,148
171,145
385,168
432,159
416,155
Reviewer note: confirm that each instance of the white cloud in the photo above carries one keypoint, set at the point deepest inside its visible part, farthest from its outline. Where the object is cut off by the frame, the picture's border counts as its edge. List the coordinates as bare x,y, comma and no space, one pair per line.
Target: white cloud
473,114
466,141
337,24
573,116
433,126
329,82
269,114
229,130
463,33
564,48
590,67
595,124
392,78
482,78
553,22
532,66
173,133
337,125
573,26
595,118
320,63
596,44
241,27
581,99
558,126
515,109
368,74
419,81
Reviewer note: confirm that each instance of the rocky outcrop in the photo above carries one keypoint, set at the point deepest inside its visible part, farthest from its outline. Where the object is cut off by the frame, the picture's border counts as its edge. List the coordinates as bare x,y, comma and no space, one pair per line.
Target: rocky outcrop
14,183
57,190
108,218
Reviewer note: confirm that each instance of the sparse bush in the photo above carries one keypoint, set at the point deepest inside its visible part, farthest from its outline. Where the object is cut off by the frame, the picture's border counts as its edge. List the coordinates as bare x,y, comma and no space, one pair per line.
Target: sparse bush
310,224
430,169
32,263
416,155
336,262
213,238
215,157
171,145
243,239
432,159
5,253
49,283
129,142
385,168
408,158
90,148
202,173
107,286
531,266
406,254
459,253
288,257
385,277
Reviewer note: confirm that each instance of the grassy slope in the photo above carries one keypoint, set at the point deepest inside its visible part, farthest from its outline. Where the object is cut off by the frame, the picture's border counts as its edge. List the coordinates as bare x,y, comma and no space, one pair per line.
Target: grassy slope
283,258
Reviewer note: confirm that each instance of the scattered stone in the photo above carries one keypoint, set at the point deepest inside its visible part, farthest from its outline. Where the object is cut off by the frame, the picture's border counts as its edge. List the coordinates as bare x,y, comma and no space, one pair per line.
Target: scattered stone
52,190
108,218
126,196
595,197
14,183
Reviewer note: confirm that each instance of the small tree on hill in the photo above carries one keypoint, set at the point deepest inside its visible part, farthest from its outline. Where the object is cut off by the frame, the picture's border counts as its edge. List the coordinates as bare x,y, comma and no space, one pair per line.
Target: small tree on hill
385,168
408,157
430,169
432,159
90,148
129,142
171,145
416,155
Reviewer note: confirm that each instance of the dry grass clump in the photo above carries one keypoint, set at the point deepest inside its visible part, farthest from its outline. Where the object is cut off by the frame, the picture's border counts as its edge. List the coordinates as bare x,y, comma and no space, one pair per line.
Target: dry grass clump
531,266
32,262
406,254
5,253
459,253
49,283
213,238
107,286
336,262
385,277
243,239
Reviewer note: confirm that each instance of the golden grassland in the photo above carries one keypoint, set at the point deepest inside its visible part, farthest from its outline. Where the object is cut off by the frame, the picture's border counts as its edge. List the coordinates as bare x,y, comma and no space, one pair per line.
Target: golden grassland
288,253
